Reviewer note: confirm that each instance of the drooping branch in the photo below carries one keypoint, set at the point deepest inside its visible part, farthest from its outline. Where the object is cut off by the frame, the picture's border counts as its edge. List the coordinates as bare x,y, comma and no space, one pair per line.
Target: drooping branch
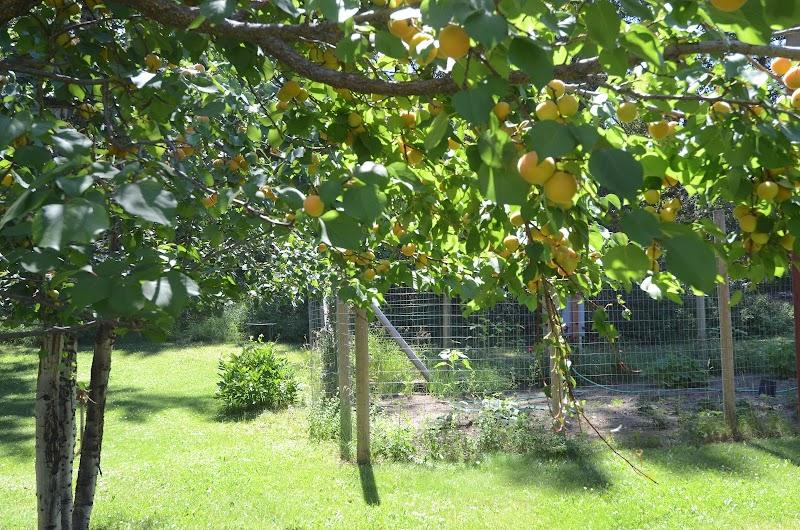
11,9
10,335
11,66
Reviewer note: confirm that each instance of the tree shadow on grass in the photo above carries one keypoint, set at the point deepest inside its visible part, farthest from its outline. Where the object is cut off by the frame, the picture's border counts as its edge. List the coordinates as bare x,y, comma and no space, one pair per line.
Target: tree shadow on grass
135,405
576,467
783,448
17,393
369,489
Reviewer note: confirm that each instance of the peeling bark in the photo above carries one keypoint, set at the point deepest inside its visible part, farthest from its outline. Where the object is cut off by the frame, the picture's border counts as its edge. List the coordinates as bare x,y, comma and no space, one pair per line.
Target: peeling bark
67,431
92,437
48,434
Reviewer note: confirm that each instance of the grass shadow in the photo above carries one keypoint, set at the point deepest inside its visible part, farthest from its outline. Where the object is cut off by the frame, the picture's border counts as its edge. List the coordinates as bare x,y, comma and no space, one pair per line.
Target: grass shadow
17,393
369,488
786,449
136,405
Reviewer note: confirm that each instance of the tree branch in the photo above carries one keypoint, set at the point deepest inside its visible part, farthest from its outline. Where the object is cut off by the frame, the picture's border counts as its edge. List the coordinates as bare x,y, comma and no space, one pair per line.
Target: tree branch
8,66
274,39
11,9
10,335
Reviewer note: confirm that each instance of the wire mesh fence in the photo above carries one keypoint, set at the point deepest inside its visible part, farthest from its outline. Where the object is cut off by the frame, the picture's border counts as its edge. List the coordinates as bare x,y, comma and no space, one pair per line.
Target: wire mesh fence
663,349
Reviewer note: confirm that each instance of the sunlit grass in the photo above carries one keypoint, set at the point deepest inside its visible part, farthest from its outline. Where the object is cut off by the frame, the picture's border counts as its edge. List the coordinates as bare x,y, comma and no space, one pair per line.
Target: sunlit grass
171,462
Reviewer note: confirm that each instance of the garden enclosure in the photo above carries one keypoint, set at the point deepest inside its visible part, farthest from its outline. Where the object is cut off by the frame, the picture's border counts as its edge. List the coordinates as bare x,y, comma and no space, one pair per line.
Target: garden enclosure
664,349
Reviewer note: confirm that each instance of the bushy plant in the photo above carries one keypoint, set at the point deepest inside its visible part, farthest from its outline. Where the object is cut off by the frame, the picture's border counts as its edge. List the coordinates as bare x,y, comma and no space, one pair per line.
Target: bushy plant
392,439
680,371
762,315
392,371
225,326
256,379
323,420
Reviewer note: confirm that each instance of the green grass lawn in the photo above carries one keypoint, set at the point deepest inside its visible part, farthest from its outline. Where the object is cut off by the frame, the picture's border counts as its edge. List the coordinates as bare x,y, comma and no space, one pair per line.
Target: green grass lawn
169,462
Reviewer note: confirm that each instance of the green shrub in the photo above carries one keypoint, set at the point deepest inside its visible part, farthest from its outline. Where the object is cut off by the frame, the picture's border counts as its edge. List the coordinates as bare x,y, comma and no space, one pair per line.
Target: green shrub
256,379
680,371
391,370
392,439
774,356
444,439
323,420
226,326
705,426
762,315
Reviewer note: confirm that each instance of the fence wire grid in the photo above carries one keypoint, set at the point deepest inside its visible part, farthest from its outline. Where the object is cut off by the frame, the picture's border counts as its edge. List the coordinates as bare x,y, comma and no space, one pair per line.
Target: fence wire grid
663,349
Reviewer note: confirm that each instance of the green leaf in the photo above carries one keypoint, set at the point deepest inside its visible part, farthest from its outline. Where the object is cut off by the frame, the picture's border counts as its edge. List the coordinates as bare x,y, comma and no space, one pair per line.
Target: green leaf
487,29
602,22
618,171
149,201
89,288
76,221
692,261
642,42
292,196
170,292
70,142
38,260
341,230
10,128
437,131
641,226
364,203
550,138
625,263
389,45
532,59
372,173
75,185
502,186
474,104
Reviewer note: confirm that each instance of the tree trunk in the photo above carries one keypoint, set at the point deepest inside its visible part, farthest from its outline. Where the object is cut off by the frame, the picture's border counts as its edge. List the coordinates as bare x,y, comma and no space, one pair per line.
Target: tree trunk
66,412
48,434
92,437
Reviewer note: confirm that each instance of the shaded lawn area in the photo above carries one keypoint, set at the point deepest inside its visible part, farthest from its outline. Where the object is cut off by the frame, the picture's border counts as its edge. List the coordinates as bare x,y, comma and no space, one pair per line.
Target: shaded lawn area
170,462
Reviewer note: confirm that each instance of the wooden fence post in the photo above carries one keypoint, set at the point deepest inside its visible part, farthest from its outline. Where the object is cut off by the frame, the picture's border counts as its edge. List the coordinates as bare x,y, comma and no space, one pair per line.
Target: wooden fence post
343,367
362,387
726,336
796,304
446,322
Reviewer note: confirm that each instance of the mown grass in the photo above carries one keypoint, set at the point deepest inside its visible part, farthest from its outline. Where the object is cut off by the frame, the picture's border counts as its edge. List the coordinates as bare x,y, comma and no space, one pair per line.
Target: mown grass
170,461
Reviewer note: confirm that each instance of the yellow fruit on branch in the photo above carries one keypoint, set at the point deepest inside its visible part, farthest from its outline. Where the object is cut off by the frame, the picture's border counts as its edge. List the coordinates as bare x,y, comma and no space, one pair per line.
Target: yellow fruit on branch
561,188
795,100
767,190
289,90
452,144
511,243
653,251
408,249
409,119
516,219
792,78
501,109
354,119
721,107
784,194
740,210
627,112
652,196
7,181
787,242
313,205
412,155
557,88
152,62
547,110
435,107
728,5
369,274
759,238
453,42
210,200
780,65
402,28
658,130
322,247
668,214
567,105
534,171
748,222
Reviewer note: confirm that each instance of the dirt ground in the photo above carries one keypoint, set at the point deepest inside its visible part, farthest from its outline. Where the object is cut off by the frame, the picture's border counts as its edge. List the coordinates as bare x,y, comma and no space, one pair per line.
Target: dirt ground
621,411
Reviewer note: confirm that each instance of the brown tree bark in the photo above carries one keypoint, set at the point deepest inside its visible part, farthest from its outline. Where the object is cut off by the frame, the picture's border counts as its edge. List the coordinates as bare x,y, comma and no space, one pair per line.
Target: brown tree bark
48,434
67,431
92,437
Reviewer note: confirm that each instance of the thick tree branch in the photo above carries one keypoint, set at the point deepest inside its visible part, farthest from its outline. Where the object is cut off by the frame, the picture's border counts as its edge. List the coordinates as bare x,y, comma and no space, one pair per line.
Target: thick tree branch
275,40
11,9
